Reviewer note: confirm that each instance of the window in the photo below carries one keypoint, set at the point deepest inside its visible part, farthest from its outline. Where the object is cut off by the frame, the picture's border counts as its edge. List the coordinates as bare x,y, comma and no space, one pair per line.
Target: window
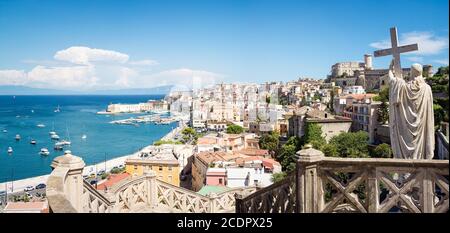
169,179
160,168
135,167
170,168
220,181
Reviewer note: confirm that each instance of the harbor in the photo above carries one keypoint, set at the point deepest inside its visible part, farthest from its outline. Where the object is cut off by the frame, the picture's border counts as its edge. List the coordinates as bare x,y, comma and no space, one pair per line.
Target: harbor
163,119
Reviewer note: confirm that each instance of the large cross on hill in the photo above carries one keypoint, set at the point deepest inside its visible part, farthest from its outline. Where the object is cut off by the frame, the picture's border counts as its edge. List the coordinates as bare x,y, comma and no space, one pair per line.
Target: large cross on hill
395,52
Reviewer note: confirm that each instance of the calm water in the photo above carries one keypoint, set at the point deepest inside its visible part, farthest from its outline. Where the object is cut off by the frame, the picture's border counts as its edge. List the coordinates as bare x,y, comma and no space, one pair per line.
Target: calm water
21,114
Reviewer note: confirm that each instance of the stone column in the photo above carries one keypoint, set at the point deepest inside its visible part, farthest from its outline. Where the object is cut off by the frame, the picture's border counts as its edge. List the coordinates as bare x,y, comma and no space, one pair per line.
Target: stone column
212,205
151,188
309,188
72,179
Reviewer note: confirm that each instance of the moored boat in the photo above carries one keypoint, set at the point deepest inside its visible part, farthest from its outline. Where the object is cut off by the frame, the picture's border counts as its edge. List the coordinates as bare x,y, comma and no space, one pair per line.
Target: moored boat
33,142
10,150
17,137
44,151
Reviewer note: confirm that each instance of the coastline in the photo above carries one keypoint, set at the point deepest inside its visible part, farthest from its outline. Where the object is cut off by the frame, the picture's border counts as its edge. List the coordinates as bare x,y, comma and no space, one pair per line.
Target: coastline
20,185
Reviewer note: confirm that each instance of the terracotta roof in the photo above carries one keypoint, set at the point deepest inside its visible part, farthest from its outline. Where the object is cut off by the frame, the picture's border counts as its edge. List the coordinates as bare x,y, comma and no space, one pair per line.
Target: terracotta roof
208,156
27,206
113,179
358,96
253,152
206,141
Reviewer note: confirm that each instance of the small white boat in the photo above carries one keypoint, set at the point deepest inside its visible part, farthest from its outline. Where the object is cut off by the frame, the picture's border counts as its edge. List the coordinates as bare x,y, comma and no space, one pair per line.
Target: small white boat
57,109
33,142
40,125
58,147
17,137
32,111
10,150
44,151
52,133
5,131
63,143
84,136
55,137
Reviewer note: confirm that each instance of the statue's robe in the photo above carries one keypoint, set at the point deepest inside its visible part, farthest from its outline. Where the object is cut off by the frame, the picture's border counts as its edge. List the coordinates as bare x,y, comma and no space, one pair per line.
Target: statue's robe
411,118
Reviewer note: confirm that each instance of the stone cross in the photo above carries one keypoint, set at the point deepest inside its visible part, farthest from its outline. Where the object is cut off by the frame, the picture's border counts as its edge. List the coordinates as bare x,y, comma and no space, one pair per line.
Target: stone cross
395,51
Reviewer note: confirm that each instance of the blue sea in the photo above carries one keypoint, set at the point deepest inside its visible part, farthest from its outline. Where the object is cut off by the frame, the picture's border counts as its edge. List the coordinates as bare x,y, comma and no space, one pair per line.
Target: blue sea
77,117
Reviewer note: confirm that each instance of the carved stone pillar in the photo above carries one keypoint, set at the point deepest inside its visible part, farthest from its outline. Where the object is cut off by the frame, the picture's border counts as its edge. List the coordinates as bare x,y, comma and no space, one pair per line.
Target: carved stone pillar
309,187
151,188
73,181
212,203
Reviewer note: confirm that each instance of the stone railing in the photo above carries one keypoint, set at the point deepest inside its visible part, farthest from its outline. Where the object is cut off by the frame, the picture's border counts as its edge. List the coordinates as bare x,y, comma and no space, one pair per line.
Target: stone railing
67,192
93,201
276,198
367,185
146,193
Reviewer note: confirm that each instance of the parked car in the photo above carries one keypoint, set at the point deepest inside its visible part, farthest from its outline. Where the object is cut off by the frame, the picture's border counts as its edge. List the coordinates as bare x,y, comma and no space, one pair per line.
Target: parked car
121,166
85,177
41,186
92,175
93,182
2,193
28,188
101,172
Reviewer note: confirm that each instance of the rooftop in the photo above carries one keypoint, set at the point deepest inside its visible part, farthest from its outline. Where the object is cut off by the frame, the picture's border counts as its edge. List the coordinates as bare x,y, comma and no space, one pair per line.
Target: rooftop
207,189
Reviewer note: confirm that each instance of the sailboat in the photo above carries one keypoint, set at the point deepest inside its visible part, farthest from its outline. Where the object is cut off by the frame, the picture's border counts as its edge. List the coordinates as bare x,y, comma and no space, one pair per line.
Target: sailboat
64,142
53,130
57,109
84,136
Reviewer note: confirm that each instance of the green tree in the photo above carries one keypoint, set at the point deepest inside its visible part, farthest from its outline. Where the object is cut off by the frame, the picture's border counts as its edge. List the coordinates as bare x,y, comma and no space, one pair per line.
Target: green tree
351,145
330,150
189,135
382,151
278,177
286,157
383,95
439,114
235,129
269,142
313,135
383,113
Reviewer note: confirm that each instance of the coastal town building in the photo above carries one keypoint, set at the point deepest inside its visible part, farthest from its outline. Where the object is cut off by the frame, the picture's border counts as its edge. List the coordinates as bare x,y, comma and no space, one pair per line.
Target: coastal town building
232,169
151,105
26,207
353,73
159,159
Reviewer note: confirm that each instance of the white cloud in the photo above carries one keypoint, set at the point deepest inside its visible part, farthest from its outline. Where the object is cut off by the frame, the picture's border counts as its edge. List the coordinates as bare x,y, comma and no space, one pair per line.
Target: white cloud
12,77
415,59
442,61
144,63
81,77
85,55
428,43
82,68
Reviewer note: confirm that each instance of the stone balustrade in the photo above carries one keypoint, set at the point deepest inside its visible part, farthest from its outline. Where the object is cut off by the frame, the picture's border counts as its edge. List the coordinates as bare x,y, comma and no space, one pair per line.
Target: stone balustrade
367,185
67,192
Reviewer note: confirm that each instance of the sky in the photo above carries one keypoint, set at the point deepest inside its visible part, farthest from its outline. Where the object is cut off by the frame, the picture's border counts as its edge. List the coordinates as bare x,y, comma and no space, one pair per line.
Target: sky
114,44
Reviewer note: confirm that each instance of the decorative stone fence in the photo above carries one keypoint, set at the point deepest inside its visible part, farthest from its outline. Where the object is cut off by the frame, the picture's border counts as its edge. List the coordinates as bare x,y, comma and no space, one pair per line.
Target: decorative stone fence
67,192
368,185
